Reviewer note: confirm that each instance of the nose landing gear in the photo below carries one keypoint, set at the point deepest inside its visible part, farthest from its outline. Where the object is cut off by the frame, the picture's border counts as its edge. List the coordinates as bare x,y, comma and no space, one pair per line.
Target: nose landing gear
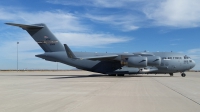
171,74
183,74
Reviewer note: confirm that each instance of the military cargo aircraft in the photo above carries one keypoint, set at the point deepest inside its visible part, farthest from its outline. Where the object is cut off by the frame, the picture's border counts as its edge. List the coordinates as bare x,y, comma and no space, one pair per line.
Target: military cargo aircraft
113,64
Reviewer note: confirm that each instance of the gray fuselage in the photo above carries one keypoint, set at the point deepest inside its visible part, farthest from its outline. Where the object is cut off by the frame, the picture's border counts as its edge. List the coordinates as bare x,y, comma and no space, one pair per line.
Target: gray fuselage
170,62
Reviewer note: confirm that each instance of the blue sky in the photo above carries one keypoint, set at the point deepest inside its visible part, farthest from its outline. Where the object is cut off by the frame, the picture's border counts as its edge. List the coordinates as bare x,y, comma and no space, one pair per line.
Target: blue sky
100,26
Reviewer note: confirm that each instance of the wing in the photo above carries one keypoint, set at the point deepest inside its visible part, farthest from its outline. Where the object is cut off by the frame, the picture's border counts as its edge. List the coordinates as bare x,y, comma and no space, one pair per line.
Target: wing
70,54
143,54
101,58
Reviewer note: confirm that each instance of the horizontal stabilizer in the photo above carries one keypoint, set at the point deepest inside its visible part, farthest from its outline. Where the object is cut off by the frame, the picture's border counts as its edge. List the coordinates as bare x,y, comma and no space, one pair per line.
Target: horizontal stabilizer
26,26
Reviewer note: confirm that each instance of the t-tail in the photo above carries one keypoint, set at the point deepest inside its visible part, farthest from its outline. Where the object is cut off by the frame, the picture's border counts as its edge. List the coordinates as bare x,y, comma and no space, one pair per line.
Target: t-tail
43,36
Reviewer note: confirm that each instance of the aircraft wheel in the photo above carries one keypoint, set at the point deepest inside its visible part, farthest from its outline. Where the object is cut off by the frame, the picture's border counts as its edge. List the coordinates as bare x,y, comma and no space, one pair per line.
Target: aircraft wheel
171,74
183,74
120,74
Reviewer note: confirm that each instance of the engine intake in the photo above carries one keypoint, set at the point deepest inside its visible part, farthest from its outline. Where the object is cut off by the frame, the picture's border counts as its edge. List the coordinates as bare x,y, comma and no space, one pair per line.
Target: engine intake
153,61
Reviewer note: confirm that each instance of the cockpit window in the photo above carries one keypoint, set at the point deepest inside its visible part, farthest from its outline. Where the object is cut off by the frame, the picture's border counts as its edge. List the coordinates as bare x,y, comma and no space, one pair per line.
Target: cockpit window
186,57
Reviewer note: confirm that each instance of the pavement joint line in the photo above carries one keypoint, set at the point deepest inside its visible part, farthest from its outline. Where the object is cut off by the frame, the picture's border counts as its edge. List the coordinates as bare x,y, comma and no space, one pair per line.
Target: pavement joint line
177,92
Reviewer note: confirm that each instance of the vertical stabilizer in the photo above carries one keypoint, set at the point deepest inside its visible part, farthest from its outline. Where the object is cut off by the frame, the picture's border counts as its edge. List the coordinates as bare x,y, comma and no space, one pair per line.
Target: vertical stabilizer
43,36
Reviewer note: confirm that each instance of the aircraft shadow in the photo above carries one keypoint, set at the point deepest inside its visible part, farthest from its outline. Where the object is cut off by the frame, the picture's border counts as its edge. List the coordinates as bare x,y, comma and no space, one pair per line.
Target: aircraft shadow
101,75
88,76
79,76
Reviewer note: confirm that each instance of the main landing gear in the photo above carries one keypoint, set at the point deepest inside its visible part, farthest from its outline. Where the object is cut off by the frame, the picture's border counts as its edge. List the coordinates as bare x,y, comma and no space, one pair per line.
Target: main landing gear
183,74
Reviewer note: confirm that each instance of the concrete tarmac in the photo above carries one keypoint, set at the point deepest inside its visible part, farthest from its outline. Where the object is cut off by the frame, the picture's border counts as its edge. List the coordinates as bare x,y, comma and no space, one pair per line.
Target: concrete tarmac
81,91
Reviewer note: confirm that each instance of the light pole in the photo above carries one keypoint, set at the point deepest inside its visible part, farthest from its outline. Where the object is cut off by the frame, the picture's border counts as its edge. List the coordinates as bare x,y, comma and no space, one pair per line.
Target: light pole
57,66
17,55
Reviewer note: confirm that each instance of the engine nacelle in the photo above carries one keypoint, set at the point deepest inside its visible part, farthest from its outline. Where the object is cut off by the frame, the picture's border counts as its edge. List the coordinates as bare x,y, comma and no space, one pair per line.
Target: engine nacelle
137,62
153,60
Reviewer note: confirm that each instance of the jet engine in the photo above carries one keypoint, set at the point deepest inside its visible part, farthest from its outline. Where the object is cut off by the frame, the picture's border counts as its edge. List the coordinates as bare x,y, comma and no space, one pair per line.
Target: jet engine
153,60
137,62
140,62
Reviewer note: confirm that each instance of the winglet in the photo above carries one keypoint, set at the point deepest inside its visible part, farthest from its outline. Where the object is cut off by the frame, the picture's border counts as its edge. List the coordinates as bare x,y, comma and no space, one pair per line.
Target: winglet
70,54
